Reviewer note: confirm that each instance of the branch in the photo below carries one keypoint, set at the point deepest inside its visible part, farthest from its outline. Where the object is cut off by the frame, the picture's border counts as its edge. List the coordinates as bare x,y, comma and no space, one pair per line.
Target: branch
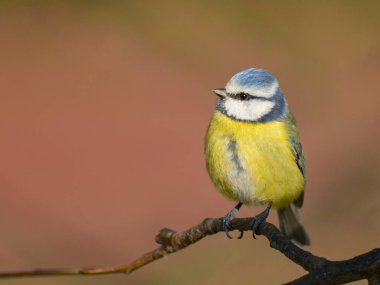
321,270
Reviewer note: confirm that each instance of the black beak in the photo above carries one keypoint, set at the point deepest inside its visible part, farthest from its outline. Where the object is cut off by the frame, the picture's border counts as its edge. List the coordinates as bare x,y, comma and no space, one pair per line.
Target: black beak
221,92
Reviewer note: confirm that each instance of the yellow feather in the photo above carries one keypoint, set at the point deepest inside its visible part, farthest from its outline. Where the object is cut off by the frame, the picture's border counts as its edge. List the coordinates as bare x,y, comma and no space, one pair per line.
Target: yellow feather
252,162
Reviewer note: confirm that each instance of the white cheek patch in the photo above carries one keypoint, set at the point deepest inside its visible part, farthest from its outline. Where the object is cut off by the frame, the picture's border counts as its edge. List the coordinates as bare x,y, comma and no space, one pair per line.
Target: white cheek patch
250,110
267,92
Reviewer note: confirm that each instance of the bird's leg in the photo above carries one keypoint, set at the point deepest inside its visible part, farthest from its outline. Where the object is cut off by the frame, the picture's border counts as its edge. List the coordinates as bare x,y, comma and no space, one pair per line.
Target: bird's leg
257,220
228,218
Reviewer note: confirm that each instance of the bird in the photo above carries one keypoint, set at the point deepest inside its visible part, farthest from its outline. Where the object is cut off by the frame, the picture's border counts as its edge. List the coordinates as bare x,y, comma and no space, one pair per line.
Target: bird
253,152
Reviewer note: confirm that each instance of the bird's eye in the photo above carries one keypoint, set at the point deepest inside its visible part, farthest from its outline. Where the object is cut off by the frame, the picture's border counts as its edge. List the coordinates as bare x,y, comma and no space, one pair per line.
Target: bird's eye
243,96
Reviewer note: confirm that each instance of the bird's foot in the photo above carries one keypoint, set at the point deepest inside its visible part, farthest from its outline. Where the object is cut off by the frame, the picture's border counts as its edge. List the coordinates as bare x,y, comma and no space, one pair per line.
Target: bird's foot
228,218
257,220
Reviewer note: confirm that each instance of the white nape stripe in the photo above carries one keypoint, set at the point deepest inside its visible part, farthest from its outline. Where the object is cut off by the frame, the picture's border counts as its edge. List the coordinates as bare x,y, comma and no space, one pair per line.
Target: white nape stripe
251,110
267,92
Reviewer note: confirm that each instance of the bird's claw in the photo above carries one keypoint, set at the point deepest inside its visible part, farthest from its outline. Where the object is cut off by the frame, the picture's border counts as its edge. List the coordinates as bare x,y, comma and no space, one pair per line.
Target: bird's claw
255,226
257,220
227,220
241,234
227,229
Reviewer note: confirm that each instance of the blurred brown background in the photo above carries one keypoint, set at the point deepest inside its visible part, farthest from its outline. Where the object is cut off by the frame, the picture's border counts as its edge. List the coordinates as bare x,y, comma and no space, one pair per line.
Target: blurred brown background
104,105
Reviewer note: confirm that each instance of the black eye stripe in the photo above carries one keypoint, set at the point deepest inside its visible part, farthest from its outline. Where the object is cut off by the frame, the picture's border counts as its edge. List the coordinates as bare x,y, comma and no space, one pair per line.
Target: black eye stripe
242,96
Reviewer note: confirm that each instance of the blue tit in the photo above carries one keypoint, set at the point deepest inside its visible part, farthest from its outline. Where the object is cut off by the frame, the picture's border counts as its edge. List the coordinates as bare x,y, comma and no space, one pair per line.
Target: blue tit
253,151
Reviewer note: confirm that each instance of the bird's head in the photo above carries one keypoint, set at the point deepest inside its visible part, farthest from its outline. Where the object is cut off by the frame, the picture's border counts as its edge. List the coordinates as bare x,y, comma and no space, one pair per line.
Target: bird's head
252,95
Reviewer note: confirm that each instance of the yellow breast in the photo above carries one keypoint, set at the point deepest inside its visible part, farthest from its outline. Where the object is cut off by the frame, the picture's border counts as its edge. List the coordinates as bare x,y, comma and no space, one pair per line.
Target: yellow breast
252,162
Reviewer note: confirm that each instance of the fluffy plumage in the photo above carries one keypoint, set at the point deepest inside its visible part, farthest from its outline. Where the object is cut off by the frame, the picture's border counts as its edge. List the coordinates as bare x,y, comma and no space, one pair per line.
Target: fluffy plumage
252,148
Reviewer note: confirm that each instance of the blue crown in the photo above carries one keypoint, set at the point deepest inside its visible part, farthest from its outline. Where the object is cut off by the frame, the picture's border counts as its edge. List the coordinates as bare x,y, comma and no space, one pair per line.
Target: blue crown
253,77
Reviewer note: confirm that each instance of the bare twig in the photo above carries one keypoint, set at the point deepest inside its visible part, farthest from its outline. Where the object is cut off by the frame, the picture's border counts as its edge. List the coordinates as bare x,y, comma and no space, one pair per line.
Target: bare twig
321,270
